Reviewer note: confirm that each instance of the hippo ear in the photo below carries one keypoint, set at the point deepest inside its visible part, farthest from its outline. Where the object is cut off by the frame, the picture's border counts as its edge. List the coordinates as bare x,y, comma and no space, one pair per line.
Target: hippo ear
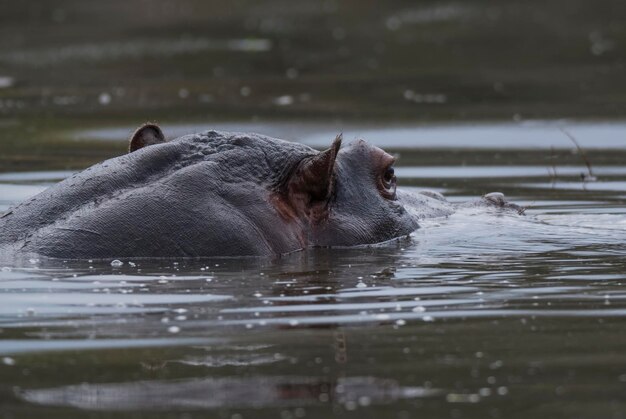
147,134
314,177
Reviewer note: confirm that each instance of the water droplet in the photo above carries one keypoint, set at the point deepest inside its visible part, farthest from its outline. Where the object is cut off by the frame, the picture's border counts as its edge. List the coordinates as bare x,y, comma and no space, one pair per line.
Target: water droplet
339,34
205,98
393,23
117,263
350,405
104,99
485,391
284,100
291,73
5,82
496,364
173,329
8,361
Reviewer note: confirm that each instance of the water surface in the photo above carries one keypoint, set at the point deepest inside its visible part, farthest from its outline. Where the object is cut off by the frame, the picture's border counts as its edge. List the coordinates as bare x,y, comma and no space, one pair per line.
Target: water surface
481,314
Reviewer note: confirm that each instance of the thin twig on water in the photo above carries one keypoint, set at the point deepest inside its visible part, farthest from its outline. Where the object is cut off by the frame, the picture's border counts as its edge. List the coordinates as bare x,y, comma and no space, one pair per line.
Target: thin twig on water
586,178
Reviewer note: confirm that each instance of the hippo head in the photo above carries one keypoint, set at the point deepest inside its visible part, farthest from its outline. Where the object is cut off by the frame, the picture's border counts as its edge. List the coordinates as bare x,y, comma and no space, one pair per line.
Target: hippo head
348,196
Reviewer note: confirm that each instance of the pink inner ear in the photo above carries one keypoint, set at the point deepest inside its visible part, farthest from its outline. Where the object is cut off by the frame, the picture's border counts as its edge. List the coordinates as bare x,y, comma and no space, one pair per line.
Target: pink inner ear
316,174
311,184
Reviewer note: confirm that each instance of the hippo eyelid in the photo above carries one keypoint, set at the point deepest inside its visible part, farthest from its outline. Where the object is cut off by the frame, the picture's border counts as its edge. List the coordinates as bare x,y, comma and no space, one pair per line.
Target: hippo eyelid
387,182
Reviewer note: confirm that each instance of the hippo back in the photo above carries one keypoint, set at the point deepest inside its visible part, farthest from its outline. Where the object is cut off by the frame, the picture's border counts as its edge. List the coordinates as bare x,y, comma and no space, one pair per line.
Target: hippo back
202,194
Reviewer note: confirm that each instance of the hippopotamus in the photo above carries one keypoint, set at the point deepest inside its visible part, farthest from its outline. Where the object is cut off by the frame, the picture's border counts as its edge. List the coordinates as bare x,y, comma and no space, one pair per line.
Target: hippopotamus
221,194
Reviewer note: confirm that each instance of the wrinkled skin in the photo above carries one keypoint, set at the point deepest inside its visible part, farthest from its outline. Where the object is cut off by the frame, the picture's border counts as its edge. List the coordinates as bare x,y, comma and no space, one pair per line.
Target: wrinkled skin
219,194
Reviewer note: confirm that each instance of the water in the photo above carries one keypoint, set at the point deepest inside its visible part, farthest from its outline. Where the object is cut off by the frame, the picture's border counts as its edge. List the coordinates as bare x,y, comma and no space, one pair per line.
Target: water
534,135
482,314
479,315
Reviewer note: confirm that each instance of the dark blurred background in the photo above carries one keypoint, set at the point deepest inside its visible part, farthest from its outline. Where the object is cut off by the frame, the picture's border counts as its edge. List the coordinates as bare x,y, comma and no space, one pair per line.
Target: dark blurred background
76,63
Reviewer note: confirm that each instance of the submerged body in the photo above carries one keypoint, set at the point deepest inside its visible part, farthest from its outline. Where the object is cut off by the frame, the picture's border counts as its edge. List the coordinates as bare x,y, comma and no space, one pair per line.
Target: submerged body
218,194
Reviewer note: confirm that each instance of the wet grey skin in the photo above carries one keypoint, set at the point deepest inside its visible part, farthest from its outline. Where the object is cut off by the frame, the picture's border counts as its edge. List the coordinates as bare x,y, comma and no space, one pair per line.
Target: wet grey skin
220,194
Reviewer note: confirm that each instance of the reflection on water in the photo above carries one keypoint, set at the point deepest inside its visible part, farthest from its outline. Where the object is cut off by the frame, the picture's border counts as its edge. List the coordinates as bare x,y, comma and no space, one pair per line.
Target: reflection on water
478,312
249,392
130,49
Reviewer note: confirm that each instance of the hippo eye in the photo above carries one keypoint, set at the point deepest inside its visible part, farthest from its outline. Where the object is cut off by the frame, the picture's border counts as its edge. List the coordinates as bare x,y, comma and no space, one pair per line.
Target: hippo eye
389,175
387,183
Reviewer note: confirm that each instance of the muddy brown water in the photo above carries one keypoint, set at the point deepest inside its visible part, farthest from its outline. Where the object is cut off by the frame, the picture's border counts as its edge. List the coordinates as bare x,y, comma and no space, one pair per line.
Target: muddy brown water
479,315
